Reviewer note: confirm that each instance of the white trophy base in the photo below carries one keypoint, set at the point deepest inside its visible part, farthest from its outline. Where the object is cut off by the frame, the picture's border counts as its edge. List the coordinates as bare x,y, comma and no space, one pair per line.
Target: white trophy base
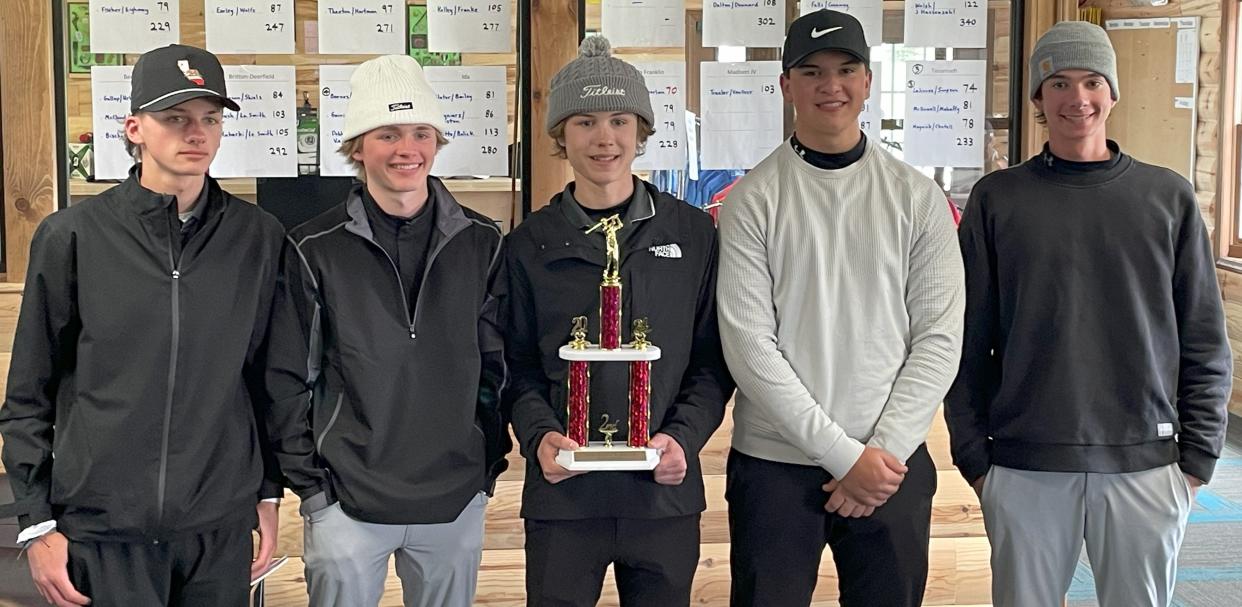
596,456
595,353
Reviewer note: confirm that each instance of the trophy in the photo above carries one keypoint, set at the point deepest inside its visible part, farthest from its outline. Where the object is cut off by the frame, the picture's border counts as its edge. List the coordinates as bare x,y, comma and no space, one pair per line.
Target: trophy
580,353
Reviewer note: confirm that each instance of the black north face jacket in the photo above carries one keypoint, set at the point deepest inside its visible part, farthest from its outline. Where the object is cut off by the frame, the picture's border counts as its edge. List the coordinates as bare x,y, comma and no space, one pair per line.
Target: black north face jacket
668,275
137,364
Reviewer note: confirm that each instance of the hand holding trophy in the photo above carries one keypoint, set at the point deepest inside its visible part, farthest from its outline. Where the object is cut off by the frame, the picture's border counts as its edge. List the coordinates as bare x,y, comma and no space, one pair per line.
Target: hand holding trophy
604,455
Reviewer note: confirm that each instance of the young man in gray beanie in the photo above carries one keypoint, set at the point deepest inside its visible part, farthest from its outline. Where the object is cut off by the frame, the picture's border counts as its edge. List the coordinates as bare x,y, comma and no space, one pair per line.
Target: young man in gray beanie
646,524
840,310
386,362
1095,372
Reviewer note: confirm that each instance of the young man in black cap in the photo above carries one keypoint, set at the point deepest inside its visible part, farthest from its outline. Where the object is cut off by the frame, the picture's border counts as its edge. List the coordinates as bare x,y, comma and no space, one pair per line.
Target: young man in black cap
1096,371
645,524
841,311
131,433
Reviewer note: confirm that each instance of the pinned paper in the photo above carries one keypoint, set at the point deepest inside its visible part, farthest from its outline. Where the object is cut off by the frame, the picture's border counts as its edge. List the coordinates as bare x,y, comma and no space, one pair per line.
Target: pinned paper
666,83
475,110
374,27
944,113
755,23
644,23
743,113
249,26
334,92
133,26
469,26
947,23
261,139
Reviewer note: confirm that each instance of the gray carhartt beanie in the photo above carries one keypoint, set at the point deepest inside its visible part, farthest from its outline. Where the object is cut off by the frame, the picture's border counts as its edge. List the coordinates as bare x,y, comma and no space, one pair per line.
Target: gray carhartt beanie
1074,45
596,81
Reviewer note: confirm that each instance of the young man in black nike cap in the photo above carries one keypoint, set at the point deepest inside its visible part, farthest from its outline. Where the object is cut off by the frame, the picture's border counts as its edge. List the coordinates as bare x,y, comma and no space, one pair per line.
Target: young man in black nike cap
840,293
131,430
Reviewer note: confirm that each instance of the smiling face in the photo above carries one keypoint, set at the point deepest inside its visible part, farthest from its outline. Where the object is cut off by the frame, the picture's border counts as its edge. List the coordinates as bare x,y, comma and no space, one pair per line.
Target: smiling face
828,90
601,146
180,141
397,159
1075,104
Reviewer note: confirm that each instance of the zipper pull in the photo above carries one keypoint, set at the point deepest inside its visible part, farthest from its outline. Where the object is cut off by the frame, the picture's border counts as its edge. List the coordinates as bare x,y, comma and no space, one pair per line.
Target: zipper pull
176,274
412,332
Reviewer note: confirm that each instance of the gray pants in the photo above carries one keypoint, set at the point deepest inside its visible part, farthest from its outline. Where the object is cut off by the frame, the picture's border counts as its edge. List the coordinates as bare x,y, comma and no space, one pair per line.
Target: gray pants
347,560
1133,524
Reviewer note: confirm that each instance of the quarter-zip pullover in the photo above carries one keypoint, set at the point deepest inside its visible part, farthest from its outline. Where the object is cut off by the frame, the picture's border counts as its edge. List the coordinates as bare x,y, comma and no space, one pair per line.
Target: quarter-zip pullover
387,405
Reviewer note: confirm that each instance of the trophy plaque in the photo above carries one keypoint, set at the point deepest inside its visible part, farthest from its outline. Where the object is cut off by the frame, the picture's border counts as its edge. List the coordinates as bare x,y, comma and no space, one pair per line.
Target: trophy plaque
581,353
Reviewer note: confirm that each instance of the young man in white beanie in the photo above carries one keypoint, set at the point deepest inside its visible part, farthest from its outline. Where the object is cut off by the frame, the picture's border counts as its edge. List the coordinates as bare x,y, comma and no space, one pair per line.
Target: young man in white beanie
386,362
1095,373
133,426
644,523
841,311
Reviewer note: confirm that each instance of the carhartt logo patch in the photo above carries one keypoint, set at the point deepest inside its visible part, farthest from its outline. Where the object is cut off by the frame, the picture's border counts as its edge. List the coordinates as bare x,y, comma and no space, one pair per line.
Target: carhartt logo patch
404,105
668,251
1164,430
1045,68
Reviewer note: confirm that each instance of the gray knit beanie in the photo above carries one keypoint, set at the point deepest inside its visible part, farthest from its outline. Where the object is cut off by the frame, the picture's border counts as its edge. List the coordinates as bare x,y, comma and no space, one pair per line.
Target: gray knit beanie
1071,45
596,81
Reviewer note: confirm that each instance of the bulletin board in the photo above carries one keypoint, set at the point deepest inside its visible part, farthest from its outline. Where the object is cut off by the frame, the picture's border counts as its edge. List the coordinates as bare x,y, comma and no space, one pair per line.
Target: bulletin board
306,60
1157,69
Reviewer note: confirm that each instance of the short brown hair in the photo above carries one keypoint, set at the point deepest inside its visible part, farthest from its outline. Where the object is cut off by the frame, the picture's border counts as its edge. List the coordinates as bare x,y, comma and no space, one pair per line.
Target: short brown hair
349,147
557,133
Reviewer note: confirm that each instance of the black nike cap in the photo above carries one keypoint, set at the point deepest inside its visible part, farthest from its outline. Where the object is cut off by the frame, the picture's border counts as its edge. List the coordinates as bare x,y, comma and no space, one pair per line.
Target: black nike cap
824,30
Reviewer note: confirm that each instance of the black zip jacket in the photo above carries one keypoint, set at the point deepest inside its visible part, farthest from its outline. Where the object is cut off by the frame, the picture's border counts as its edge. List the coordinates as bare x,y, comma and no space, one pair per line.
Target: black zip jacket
391,409
668,274
1095,336
138,363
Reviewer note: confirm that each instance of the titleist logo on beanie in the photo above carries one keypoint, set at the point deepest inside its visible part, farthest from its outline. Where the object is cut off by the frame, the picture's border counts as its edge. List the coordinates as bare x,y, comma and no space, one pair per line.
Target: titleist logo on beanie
595,90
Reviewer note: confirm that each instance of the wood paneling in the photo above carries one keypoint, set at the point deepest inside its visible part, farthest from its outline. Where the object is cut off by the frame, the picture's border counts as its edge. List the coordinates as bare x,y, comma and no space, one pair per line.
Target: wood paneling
555,32
29,141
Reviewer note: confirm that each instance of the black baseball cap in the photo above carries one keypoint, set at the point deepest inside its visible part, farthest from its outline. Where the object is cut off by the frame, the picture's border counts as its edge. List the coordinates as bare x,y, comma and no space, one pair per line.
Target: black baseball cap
824,30
176,73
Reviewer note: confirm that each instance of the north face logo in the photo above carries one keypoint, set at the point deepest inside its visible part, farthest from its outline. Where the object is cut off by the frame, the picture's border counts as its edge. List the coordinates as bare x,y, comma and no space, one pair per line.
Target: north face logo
669,251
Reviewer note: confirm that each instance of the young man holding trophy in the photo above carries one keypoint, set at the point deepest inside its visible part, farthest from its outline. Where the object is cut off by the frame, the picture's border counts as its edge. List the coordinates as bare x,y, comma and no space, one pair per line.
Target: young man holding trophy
611,430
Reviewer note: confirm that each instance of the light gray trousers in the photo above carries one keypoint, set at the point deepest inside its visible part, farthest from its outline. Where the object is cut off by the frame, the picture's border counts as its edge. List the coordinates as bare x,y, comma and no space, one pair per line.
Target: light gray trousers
1132,523
347,560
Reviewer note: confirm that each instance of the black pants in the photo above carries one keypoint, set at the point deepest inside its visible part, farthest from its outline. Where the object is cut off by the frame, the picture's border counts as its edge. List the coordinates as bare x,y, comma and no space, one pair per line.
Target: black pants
653,559
208,569
778,528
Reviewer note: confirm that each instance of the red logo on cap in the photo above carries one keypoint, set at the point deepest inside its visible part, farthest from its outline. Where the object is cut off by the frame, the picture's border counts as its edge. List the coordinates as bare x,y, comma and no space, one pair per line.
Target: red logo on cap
191,74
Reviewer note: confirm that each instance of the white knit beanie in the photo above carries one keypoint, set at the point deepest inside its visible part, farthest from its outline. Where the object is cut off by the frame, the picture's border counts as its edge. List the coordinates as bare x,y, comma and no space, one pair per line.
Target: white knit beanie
390,90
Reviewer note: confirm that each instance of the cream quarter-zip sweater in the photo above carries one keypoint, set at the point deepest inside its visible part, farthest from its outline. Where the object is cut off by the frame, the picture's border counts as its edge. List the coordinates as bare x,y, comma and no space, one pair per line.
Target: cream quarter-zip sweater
841,299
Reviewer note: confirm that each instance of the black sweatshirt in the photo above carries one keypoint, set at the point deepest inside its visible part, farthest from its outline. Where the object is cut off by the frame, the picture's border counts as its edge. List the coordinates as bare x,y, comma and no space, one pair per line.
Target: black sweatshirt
668,273
1095,337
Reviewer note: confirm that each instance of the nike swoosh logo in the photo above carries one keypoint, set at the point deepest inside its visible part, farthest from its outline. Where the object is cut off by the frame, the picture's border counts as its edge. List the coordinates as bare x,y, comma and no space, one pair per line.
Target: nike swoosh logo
817,33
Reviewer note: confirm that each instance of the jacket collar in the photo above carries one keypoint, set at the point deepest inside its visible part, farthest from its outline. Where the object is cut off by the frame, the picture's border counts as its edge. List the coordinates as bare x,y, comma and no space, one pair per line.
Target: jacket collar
143,201
450,219
642,207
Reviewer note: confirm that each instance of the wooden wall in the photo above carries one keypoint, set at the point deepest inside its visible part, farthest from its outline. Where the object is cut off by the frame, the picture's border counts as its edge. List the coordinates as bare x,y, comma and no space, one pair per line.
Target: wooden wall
26,94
